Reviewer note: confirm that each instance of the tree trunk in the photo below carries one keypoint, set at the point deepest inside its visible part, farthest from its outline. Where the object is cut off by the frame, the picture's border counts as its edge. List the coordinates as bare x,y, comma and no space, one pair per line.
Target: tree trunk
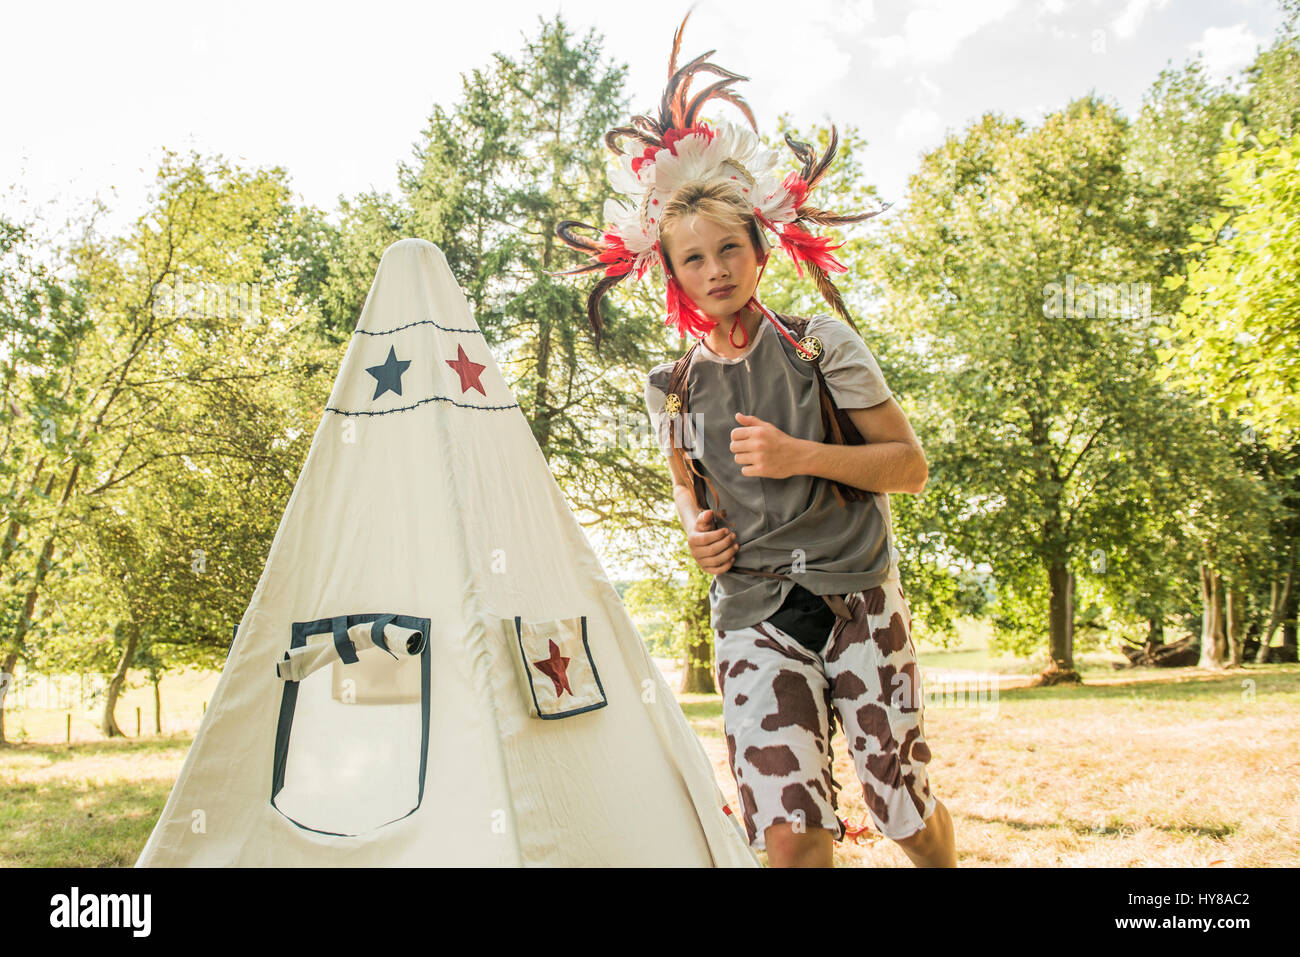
1289,627
697,669
1213,641
157,702
10,663
109,726
1281,597
1155,632
697,675
1060,666
15,643
1233,613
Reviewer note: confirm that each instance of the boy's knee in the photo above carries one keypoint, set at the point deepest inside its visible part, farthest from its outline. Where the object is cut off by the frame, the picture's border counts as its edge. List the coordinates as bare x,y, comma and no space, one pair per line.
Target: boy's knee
787,845
918,840
932,832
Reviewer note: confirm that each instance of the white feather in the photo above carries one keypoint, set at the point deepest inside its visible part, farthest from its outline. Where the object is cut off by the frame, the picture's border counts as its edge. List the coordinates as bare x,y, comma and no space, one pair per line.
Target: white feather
773,199
624,181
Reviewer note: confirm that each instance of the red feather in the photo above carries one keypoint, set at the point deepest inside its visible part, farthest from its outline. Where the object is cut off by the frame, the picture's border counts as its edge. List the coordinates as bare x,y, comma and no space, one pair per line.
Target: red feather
795,185
672,136
804,246
617,255
670,141
683,314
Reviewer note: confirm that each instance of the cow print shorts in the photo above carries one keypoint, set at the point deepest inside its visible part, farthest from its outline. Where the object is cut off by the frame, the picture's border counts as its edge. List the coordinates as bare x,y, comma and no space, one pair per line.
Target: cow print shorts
778,699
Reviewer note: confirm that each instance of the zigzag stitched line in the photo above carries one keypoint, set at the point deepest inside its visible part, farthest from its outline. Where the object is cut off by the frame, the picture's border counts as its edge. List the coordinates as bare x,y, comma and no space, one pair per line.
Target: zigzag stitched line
432,398
418,322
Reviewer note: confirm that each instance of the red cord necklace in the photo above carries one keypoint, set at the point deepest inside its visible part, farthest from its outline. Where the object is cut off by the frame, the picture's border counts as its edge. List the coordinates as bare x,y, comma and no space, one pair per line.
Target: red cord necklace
753,301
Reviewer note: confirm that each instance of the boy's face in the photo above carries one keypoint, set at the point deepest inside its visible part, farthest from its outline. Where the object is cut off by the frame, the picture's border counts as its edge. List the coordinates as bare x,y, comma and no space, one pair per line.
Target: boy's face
716,265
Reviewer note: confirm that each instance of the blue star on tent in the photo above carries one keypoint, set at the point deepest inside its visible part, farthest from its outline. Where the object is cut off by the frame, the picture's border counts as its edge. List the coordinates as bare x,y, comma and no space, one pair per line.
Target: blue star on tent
388,377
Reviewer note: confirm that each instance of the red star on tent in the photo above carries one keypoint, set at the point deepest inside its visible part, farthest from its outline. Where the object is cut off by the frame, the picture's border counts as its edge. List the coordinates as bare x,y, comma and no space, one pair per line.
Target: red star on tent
467,370
554,668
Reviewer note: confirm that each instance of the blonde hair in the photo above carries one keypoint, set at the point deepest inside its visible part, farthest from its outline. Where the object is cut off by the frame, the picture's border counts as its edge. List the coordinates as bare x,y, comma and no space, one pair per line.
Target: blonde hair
718,200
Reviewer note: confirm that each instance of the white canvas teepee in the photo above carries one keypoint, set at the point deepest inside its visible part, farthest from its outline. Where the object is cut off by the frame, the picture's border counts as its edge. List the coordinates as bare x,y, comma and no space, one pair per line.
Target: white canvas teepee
434,668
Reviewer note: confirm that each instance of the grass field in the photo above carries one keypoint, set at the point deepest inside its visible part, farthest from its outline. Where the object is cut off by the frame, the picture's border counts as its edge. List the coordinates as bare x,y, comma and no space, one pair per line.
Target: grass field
1150,767
1162,770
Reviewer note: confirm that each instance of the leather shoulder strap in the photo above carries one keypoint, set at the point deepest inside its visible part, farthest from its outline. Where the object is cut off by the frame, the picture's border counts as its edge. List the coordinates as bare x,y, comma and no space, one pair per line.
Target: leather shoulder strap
678,385
677,378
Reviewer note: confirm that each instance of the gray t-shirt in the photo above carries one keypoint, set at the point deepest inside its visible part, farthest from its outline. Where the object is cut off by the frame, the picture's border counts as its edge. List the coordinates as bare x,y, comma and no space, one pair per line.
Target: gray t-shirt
796,525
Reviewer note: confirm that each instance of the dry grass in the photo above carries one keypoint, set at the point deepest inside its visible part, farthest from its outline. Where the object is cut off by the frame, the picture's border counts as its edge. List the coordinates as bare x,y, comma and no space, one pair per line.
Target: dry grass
1157,768
84,805
1148,768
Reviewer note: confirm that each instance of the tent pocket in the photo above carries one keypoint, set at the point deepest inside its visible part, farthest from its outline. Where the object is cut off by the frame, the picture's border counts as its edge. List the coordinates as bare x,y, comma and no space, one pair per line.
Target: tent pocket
352,742
553,663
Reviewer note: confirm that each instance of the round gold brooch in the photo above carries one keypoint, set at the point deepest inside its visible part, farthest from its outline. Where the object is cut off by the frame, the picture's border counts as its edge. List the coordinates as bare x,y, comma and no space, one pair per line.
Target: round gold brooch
810,348
672,404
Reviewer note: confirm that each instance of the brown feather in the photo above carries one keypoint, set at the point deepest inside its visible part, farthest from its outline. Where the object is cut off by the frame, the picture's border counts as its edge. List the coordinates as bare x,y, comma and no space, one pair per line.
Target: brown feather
831,294
564,229
823,218
651,127
677,44
736,100
631,132
590,267
701,98
671,102
593,305
802,152
820,170
676,107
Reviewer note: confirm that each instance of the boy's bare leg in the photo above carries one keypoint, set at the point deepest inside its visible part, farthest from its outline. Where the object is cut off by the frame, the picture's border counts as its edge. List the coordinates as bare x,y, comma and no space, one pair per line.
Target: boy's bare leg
810,848
933,846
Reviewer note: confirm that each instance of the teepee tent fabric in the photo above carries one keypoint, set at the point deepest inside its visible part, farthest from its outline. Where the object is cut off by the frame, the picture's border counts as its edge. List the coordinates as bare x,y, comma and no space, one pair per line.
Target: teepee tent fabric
434,668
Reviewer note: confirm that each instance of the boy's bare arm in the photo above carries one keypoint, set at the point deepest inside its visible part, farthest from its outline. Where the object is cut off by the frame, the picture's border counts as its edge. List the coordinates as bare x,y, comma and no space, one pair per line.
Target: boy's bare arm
683,495
713,548
891,460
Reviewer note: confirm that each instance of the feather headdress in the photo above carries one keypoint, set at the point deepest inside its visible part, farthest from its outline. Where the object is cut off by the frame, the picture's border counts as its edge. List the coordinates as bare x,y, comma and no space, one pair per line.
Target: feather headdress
676,147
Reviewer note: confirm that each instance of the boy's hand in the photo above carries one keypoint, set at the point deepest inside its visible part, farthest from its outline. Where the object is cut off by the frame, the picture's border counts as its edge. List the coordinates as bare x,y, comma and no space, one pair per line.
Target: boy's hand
763,449
714,549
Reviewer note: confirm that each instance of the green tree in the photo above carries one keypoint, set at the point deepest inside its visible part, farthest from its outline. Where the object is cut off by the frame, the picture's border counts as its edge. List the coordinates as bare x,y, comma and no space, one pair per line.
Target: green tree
1274,96
1235,335
1022,270
192,324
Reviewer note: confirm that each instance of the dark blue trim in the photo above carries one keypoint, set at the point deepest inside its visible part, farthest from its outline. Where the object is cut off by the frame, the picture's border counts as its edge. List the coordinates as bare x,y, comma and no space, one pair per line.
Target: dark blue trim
418,322
300,632
377,632
342,643
519,640
234,633
416,405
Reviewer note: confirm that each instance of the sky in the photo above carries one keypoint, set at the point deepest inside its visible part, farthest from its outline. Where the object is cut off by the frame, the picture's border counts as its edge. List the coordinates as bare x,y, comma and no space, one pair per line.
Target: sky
338,93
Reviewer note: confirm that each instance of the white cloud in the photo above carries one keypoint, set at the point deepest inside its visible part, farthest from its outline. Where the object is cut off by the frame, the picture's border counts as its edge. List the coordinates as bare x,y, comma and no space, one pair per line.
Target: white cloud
1226,49
757,44
933,33
849,17
1127,23
918,124
928,92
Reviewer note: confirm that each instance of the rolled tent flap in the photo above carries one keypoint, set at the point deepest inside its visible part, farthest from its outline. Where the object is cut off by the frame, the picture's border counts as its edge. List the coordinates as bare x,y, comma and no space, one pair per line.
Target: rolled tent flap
344,644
